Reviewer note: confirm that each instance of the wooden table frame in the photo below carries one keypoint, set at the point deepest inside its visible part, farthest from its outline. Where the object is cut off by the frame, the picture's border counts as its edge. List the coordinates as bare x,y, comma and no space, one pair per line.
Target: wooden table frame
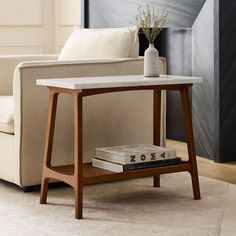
80,174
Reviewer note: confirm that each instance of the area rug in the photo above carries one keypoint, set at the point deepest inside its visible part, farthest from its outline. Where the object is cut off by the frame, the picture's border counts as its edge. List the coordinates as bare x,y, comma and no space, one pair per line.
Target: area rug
131,207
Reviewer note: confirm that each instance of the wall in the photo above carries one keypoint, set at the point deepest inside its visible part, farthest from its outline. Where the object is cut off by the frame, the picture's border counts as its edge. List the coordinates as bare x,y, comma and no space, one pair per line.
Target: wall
204,116
115,13
176,46
67,16
36,26
214,101
225,89
26,26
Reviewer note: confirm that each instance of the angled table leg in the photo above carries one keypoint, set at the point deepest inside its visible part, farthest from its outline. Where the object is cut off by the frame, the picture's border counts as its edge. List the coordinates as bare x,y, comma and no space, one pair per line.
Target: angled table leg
78,155
156,127
190,141
48,144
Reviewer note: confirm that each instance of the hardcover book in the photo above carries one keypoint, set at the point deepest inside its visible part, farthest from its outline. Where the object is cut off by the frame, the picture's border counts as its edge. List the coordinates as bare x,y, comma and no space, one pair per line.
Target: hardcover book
115,167
136,153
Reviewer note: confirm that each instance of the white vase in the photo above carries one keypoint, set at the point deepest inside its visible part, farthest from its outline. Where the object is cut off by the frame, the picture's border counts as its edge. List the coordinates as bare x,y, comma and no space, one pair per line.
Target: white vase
151,62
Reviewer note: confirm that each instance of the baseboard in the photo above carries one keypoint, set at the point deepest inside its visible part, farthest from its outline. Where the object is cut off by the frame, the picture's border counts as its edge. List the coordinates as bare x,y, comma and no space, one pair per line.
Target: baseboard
208,168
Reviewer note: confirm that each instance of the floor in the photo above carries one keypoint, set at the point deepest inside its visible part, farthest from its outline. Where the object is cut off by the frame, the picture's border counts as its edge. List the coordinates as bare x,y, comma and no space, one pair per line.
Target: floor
129,207
123,208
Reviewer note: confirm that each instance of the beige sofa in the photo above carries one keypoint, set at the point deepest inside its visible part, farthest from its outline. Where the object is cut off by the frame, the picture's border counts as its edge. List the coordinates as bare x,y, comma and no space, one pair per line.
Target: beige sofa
111,119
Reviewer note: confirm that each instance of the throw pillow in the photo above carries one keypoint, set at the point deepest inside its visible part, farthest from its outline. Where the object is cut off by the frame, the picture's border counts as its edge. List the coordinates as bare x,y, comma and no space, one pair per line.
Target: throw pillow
90,44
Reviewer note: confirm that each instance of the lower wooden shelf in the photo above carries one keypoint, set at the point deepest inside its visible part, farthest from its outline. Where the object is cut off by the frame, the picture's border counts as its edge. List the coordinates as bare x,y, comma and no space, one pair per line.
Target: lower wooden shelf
93,175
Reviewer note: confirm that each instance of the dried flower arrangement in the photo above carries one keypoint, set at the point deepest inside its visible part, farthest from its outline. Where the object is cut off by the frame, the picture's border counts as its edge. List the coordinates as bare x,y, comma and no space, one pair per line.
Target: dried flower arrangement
150,21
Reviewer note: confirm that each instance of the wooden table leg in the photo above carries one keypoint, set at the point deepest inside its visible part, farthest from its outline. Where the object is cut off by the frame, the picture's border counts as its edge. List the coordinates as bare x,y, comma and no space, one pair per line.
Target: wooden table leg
78,156
156,127
48,144
190,141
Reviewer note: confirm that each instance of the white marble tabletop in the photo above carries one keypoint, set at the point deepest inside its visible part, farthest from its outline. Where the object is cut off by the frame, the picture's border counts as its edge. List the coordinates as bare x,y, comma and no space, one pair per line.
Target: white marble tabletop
116,81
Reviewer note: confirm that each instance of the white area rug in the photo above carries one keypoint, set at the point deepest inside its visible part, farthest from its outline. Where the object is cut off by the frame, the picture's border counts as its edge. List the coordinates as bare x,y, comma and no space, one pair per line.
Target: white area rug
123,208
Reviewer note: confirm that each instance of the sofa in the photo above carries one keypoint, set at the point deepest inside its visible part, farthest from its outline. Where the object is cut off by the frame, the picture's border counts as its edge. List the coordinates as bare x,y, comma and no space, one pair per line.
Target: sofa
23,113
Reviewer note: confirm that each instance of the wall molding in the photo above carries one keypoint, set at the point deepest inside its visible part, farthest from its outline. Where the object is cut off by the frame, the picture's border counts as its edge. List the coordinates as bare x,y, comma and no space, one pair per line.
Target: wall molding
36,48
34,17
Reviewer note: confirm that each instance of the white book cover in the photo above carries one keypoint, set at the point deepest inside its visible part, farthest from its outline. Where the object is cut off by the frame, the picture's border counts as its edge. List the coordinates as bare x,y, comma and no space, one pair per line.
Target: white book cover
107,165
136,153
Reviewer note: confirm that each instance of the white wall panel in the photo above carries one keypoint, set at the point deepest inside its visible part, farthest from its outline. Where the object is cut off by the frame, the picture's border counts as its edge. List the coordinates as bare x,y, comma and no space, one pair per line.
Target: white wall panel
36,26
67,15
69,12
21,12
20,49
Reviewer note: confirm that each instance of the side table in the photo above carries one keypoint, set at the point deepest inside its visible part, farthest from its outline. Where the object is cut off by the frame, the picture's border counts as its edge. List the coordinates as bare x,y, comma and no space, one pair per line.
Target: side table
79,174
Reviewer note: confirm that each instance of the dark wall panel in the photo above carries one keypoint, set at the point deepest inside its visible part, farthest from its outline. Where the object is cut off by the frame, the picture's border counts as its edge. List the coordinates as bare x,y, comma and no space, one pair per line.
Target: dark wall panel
176,46
227,80
204,115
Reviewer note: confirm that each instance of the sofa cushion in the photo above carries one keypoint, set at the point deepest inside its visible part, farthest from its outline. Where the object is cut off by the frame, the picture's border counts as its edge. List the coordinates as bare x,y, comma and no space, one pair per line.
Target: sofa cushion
6,114
90,44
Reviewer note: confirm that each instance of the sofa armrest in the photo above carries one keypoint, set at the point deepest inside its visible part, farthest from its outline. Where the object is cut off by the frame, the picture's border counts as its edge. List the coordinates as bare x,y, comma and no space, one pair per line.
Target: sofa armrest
31,104
8,65
27,95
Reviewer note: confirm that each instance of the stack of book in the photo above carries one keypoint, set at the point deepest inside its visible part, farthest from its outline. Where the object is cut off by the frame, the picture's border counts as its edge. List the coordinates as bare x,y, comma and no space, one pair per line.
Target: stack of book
134,157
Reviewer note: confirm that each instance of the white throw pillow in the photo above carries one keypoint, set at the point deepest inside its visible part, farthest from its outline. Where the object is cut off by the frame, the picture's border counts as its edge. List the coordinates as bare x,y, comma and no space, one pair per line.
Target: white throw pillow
90,44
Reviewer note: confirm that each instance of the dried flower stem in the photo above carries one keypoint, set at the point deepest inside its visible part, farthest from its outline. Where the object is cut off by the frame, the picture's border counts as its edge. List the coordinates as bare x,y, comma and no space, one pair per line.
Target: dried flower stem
150,21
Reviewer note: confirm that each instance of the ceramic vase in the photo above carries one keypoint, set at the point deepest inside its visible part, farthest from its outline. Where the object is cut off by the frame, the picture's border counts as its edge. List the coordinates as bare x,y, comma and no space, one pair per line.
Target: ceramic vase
151,62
